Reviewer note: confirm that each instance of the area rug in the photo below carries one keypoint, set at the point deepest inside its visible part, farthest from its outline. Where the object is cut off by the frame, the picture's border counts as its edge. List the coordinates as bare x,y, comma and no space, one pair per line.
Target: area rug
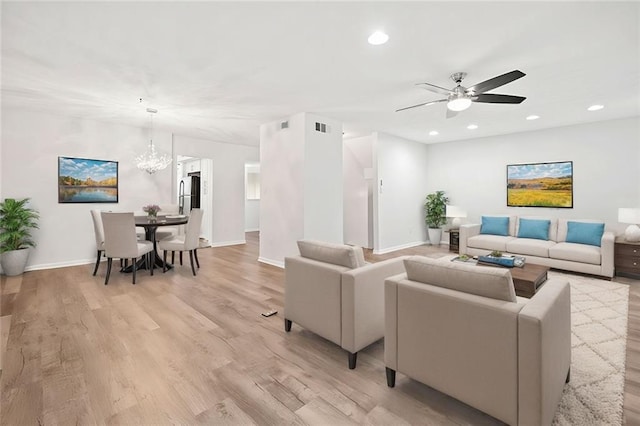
595,394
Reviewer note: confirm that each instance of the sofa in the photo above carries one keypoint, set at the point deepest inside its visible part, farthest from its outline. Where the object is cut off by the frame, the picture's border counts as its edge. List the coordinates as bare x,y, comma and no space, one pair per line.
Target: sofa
570,244
460,329
331,291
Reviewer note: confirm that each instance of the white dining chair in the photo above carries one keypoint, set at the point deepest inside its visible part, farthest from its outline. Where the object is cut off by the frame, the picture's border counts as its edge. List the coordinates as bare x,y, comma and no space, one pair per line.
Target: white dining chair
120,241
168,231
99,234
189,241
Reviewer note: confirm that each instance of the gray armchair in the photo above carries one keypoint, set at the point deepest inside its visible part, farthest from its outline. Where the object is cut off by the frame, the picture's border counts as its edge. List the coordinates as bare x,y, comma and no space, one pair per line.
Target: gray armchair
331,291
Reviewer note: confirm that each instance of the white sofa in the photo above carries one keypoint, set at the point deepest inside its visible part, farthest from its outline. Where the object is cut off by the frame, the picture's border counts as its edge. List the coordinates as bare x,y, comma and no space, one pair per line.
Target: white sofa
554,252
331,291
460,329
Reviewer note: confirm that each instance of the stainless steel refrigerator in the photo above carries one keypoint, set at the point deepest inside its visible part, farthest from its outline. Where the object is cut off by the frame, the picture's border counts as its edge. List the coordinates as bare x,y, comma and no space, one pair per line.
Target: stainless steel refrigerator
189,194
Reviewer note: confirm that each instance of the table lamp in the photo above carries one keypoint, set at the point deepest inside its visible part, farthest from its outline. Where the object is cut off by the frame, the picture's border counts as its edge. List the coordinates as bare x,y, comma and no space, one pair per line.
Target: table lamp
456,213
632,216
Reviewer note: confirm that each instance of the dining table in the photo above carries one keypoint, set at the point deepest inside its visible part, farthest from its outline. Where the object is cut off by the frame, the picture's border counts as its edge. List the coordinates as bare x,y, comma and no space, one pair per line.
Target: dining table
151,225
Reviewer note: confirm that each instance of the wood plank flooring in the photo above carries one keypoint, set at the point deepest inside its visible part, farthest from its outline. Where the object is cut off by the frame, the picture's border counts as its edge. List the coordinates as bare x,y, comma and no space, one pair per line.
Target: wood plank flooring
195,350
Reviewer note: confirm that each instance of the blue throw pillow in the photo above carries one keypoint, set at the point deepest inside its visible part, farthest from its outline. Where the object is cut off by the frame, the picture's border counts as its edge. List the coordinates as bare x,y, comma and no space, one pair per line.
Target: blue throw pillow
585,233
495,225
534,228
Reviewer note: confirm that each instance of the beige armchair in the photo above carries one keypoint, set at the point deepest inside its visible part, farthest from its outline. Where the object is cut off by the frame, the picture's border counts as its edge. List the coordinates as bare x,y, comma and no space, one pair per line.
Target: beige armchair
460,329
331,291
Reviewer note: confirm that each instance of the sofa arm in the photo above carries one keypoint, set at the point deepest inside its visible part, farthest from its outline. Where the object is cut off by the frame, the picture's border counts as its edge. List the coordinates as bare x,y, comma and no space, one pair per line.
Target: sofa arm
467,231
607,248
363,302
391,320
312,295
544,352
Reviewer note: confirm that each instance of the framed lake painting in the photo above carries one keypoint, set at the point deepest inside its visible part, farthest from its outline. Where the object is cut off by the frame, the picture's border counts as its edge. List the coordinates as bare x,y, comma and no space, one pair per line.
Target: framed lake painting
81,180
540,185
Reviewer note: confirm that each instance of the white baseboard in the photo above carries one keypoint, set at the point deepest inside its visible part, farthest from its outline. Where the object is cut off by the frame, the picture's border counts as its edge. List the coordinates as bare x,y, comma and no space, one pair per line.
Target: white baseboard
252,230
228,243
65,264
276,263
396,248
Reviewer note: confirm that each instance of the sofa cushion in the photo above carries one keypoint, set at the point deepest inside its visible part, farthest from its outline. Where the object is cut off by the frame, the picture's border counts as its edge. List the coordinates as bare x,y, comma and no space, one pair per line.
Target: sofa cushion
576,253
530,247
495,225
495,283
489,242
585,233
553,226
337,254
534,228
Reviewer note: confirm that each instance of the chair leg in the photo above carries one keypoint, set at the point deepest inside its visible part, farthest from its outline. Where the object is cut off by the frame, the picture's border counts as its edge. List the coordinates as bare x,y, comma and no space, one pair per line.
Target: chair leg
287,325
173,257
353,357
134,268
152,260
195,254
568,376
391,377
95,270
180,258
193,268
164,261
106,279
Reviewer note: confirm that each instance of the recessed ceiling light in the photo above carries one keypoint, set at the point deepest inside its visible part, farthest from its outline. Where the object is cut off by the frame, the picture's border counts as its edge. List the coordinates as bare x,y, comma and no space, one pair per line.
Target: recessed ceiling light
433,133
472,126
378,38
595,107
533,117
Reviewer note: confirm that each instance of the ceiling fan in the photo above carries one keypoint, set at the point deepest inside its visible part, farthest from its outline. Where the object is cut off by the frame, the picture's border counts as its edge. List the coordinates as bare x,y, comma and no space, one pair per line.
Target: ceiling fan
460,98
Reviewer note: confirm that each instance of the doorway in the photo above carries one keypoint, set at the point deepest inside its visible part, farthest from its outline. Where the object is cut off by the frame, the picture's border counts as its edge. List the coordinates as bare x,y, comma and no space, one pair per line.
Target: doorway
199,173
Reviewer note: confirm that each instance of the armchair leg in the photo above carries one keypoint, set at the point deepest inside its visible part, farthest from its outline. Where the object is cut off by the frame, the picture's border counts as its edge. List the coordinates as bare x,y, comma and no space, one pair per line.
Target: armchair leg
95,270
568,376
391,377
287,325
353,357
193,268
106,279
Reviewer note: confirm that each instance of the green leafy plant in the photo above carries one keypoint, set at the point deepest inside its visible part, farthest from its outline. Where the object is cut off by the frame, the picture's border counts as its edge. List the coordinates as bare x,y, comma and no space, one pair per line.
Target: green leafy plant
435,209
16,222
496,253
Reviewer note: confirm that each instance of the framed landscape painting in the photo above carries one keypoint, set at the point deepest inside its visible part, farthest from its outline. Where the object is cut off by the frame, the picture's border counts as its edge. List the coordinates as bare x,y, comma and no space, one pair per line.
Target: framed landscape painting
540,185
81,180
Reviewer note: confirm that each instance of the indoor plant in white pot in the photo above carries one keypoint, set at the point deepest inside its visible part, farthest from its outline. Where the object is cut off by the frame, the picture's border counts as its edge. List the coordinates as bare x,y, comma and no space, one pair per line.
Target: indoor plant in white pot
16,222
435,215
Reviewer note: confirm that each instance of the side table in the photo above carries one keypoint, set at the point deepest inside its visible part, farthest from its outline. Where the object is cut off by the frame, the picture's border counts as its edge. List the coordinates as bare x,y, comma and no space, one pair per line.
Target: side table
454,240
627,259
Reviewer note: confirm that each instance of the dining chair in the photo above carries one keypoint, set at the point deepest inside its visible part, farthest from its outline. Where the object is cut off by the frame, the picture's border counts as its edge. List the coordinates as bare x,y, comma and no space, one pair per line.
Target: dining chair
188,242
120,241
168,231
99,234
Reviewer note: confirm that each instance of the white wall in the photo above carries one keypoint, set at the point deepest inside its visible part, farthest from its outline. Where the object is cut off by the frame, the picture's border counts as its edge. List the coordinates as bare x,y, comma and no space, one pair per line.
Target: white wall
401,166
227,193
606,163
251,207
301,185
31,144
358,211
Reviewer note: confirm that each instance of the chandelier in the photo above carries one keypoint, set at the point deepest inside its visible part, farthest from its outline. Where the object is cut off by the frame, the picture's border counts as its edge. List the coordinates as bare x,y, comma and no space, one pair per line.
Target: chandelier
152,160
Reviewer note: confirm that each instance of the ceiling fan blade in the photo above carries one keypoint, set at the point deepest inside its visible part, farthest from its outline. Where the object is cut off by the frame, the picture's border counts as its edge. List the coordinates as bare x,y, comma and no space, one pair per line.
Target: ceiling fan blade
433,88
424,104
492,98
451,113
494,82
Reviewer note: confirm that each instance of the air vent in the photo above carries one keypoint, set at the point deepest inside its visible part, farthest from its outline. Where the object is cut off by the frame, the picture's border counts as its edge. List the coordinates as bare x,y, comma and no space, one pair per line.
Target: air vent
284,125
321,127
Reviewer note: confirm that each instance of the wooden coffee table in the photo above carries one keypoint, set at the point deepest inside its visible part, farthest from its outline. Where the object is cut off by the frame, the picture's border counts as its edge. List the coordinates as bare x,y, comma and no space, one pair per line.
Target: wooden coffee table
527,279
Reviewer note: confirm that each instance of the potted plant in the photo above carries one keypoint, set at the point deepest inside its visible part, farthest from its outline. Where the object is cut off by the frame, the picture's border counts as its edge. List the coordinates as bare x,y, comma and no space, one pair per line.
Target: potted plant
16,222
435,209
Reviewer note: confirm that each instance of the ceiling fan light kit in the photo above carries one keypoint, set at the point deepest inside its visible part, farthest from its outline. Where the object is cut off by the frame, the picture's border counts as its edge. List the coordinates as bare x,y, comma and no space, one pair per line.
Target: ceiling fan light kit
460,98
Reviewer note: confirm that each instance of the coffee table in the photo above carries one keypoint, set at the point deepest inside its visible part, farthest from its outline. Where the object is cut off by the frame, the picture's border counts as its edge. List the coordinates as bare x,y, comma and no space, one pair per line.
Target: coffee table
526,279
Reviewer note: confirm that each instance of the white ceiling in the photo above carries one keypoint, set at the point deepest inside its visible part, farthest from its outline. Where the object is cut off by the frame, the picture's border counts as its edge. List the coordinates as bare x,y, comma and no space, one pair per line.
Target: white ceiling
218,70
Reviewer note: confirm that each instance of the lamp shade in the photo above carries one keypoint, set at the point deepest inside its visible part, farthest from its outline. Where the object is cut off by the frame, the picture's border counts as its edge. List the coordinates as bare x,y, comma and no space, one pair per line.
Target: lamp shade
455,211
628,215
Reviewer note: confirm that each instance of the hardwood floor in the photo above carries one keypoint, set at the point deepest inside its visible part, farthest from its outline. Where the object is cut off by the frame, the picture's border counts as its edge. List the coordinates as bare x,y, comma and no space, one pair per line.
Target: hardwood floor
195,350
